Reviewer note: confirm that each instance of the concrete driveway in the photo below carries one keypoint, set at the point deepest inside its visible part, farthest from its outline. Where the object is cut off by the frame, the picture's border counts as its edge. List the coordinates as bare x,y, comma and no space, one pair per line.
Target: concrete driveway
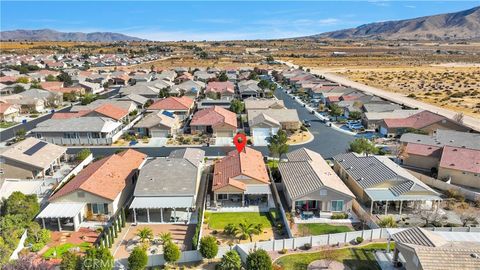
157,142
260,140
223,141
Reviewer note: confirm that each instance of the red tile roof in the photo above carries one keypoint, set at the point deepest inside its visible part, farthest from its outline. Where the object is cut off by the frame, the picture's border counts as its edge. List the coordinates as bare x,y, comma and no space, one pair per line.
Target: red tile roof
462,159
106,177
8,79
333,98
248,163
172,104
417,121
424,150
220,87
112,111
51,86
214,116
4,107
68,115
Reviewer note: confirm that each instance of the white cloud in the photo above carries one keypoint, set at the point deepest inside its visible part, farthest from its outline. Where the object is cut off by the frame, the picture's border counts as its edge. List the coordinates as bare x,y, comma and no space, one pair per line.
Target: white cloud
410,6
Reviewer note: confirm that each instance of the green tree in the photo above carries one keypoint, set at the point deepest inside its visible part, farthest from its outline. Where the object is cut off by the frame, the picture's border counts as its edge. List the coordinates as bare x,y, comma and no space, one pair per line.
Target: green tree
362,145
231,229
246,230
355,115
165,237
223,77
98,259
335,110
259,260
264,84
387,222
70,261
230,261
5,252
171,253
145,234
88,98
138,259
83,154
18,89
71,97
277,144
20,134
164,92
22,205
50,78
65,78
37,235
237,106
23,80
208,247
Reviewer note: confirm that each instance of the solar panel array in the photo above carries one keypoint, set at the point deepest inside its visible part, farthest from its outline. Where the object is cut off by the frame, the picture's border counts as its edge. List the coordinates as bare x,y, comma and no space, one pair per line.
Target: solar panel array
34,149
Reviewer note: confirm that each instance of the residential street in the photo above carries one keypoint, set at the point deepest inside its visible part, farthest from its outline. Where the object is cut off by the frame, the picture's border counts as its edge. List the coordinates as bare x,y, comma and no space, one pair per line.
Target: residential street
327,142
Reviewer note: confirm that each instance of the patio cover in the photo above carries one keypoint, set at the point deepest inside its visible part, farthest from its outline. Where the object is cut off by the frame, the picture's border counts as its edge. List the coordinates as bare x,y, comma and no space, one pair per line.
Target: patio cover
162,202
61,210
257,189
387,195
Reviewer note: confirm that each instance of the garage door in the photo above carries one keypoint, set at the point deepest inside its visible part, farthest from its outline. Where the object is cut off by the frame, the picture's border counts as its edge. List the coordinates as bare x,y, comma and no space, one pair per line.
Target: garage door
159,133
224,133
261,132
383,131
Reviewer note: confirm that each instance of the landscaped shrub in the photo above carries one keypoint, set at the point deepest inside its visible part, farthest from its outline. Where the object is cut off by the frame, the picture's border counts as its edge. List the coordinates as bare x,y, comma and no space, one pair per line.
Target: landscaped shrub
359,240
283,251
307,246
339,216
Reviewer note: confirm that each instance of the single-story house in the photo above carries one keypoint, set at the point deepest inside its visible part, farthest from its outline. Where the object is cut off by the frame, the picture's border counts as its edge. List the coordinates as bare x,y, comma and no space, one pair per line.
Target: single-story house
158,124
142,89
208,103
8,112
287,118
425,120
97,193
461,165
162,196
91,87
310,185
263,104
79,131
371,120
249,89
180,106
30,159
383,183
189,88
140,101
215,120
224,90
240,179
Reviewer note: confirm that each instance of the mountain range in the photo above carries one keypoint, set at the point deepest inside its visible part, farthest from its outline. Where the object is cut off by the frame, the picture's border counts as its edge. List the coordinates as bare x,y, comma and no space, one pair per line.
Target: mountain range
52,35
450,26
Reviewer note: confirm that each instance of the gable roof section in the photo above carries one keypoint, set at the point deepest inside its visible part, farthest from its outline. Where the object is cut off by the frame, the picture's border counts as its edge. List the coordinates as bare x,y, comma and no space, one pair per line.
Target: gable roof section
418,236
33,152
417,121
307,172
111,111
214,116
423,150
462,159
173,104
220,87
248,162
106,177
194,155
68,115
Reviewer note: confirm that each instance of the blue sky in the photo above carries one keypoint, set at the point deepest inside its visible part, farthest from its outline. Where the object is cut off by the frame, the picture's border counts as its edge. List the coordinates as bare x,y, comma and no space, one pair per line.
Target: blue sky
213,20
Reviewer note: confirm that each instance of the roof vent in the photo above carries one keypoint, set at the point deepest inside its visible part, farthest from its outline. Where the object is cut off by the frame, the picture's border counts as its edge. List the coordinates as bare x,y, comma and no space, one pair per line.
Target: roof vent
455,150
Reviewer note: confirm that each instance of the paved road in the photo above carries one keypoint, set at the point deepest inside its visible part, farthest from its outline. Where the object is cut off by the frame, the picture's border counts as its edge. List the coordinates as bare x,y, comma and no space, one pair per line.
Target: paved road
469,121
327,142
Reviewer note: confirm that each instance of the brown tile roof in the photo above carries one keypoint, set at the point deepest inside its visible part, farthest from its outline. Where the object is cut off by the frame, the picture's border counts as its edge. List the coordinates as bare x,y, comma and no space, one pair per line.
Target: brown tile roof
423,150
68,115
111,111
172,103
220,87
248,162
51,86
462,159
106,177
417,121
214,116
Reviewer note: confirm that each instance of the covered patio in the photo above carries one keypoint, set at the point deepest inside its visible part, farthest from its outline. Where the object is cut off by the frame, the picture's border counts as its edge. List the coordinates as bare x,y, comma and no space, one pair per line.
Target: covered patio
62,216
254,195
383,200
163,210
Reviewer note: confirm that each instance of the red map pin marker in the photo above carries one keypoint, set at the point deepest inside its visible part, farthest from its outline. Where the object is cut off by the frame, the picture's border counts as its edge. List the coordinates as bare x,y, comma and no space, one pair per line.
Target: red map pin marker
240,140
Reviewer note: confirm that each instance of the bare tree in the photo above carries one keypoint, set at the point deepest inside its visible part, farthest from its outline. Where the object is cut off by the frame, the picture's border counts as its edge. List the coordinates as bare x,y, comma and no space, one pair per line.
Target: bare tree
329,255
431,216
467,216
458,117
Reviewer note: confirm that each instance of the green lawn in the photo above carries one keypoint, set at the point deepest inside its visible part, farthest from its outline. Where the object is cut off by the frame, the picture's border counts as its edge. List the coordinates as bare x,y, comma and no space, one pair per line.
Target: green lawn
7,124
218,221
63,248
321,228
361,258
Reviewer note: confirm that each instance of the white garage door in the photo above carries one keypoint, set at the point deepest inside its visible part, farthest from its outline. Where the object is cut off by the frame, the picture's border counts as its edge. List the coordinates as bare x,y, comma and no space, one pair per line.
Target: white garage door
159,133
224,134
261,132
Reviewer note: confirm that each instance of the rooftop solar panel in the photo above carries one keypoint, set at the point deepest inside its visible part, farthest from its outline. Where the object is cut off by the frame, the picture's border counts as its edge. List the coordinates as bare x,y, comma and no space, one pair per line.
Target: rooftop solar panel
32,150
169,114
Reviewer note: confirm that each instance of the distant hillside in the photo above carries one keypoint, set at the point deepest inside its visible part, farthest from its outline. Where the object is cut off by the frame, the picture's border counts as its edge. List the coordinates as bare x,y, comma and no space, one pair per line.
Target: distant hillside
52,35
452,26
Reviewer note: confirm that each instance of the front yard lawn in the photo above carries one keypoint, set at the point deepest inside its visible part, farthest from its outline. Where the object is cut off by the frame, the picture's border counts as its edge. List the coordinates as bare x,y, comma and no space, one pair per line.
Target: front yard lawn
353,257
56,252
218,221
322,228
7,124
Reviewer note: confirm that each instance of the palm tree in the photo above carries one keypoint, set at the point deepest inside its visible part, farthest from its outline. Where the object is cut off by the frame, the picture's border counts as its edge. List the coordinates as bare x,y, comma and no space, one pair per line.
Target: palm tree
246,230
165,237
145,234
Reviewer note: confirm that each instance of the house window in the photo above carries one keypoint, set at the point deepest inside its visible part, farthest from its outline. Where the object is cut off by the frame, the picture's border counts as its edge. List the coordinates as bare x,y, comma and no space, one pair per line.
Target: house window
222,196
323,192
38,135
70,135
337,206
99,208
94,135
